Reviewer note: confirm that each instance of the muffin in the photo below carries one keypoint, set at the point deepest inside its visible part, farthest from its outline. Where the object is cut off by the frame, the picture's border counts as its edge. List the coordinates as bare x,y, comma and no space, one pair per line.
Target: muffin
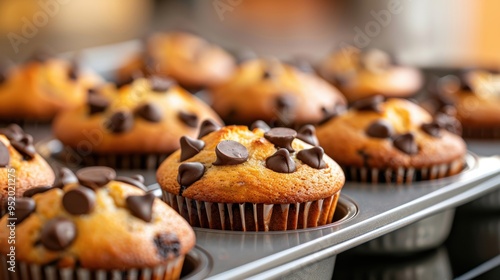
392,141
242,180
41,88
360,74
21,168
133,127
97,226
276,93
474,97
190,60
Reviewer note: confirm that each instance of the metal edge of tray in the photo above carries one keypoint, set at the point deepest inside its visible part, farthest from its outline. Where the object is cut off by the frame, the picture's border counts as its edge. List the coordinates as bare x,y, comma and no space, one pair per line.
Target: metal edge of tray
478,181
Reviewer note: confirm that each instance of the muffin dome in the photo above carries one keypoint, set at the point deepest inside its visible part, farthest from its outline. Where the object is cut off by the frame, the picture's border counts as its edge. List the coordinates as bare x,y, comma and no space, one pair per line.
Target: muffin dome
275,93
98,222
395,134
148,116
20,163
39,89
363,74
190,60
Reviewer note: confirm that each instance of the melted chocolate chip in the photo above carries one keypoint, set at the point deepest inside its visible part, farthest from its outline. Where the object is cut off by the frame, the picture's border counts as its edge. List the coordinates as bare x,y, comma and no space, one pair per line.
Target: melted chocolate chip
79,201
260,124
95,177
281,162
380,129
141,206
433,129
58,234
23,208
66,176
13,132
230,153
281,137
307,133
97,103
161,84
168,245
190,147
285,102
267,74
406,143
189,172
330,114
25,146
121,121
133,181
33,191
150,112
312,157
208,126
369,104
449,123
4,155
189,119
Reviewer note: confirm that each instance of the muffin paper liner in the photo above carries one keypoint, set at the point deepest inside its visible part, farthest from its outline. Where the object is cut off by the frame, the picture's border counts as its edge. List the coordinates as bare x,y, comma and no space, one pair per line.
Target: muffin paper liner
254,216
171,270
125,161
402,175
481,132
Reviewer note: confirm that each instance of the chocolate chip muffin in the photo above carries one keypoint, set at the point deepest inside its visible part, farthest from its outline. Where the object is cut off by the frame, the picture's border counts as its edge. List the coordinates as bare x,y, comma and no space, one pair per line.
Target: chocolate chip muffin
189,59
233,178
276,93
41,88
133,127
361,74
392,141
95,226
21,168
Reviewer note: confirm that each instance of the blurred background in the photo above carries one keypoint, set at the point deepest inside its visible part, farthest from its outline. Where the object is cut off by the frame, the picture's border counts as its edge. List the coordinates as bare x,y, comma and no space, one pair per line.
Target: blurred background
424,33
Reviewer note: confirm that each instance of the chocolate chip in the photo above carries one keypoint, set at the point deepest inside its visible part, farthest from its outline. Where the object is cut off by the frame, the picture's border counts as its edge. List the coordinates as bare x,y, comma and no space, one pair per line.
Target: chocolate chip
58,234
281,162
285,102
97,103
449,123
13,132
330,114
168,245
138,177
33,191
307,133
260,124
189,119
161,84
25,146
281,137
406,143
189,172
190,147
208,126
73,72
4,155
23,208
141,206
121,121
380,129
150,112
134,182
230,153
95,177
312,157
433,129
369,104
66,177
79,201
267,74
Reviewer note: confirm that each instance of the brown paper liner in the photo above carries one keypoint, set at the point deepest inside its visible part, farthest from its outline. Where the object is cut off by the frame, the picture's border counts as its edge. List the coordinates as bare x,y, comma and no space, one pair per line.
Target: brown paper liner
130,161
171,270
254,216
402,175
481,132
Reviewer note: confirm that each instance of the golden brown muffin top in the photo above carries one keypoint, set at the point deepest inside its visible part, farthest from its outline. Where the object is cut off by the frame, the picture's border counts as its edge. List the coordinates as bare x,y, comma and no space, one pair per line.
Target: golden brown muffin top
21,167
360,74
275,93
189,59
48,86
147,116
236,165
391,134
96,220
